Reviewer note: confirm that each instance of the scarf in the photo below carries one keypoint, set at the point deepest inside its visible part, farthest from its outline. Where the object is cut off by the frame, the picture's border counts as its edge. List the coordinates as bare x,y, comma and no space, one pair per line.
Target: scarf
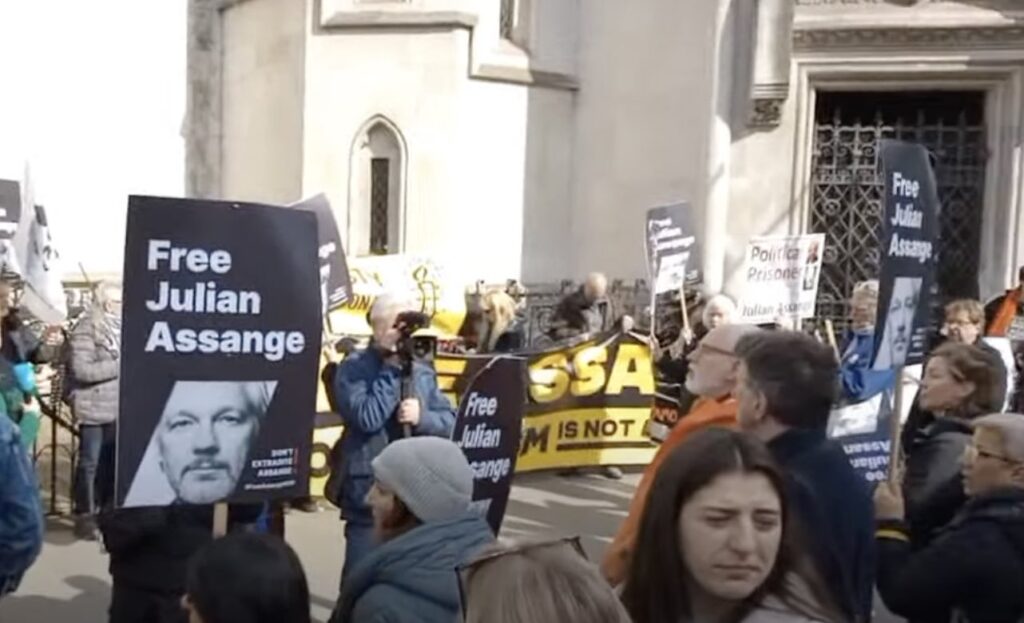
1007,311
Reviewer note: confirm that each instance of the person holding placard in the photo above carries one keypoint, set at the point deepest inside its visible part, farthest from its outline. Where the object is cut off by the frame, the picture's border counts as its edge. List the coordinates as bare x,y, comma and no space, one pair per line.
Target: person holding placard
960,383
858,381
368,386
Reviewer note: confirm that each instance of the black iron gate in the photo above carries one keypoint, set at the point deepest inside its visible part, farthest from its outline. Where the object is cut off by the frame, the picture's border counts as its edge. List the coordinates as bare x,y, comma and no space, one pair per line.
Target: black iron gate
846,185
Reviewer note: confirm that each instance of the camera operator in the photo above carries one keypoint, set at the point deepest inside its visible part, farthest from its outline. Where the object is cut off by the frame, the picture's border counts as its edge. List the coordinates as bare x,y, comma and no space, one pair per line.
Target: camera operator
376,411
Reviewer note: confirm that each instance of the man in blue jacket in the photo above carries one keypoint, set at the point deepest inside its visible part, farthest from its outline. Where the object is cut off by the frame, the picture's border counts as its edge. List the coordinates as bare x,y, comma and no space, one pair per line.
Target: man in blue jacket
21,515
368,390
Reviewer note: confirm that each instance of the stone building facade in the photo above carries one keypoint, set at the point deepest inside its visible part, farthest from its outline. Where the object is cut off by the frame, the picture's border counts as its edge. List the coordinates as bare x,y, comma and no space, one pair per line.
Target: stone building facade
526,138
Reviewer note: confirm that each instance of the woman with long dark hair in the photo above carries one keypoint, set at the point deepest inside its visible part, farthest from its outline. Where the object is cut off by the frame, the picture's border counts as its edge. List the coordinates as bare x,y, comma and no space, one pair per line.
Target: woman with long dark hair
716,542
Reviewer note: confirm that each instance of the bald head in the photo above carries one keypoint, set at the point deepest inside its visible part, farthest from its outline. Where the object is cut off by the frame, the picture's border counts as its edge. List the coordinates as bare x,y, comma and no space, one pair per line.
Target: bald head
727,336
713,364
595,287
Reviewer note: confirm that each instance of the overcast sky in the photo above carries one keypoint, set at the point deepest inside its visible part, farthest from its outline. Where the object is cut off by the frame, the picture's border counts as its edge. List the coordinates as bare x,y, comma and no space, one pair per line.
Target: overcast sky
93,95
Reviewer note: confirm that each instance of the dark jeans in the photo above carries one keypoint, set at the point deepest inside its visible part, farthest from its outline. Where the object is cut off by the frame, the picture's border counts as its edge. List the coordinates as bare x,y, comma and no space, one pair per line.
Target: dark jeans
359,542
94,478
133,605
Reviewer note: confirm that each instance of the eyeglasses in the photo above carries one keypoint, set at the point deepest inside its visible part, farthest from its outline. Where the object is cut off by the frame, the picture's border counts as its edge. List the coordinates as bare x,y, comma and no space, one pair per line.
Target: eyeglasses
976,453
465,571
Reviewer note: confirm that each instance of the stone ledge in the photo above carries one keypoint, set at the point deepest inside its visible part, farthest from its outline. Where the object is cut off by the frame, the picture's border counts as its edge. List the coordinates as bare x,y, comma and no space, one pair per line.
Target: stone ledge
342,20
886,38
529,77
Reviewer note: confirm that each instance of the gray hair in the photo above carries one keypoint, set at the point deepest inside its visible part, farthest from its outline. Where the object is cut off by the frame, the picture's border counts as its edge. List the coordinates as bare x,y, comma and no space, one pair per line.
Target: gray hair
723,303
389,304
867,288
1010,427
103,290
543,583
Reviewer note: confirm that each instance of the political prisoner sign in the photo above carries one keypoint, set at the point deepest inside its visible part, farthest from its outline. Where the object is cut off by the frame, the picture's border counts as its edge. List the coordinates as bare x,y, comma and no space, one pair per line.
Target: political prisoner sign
781,278
335,283
909,233
488,427
673,254
219,349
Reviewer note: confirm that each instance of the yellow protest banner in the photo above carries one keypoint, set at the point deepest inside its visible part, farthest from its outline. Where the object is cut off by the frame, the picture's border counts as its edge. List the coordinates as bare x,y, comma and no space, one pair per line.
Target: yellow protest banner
424,282
588,405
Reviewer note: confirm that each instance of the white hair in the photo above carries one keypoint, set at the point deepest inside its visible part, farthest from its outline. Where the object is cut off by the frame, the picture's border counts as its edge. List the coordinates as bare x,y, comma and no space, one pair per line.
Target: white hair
388,305
1010,427
103,290
867,288
724,304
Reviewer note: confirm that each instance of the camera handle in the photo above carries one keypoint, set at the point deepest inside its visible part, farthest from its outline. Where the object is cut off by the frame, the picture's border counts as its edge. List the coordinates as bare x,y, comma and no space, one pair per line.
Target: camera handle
407,391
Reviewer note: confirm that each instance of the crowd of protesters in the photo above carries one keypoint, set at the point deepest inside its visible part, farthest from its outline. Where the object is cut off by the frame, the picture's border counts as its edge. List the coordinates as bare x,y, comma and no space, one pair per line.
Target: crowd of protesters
748,512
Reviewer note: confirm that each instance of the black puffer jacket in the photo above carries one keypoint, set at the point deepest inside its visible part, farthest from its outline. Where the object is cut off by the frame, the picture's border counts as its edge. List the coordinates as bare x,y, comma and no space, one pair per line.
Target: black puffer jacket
974,569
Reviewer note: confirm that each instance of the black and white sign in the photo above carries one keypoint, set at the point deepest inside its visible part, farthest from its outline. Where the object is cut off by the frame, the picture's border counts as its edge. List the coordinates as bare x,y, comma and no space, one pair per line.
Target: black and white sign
909,235
488,427
220,340
673,254
10,208
335,282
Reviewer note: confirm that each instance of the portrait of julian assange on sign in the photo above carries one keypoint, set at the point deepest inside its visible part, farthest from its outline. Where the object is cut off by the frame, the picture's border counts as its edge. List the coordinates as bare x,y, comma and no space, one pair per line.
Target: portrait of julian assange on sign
221,336
909,233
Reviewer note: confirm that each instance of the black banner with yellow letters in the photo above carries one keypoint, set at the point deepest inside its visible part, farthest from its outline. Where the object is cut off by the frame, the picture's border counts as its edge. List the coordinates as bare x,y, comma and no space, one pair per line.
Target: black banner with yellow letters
587,404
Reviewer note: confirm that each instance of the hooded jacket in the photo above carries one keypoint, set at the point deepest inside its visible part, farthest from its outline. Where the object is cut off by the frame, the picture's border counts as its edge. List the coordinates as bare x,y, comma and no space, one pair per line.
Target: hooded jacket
95,367
21,516
974,570
412,578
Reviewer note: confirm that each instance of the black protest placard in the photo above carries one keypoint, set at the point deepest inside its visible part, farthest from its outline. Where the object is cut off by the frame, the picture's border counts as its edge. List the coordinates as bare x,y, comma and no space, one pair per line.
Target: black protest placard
908,251
865,431
10,208
488,428
219,348
335,282
673,254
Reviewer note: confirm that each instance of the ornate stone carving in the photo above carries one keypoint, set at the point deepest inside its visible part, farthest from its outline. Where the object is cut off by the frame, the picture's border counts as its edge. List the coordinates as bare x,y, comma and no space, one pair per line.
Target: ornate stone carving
879,38
773,51
766,113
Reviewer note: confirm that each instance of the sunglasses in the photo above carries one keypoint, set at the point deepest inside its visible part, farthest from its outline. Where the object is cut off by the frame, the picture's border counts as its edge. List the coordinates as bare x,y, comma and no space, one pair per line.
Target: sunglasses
465,571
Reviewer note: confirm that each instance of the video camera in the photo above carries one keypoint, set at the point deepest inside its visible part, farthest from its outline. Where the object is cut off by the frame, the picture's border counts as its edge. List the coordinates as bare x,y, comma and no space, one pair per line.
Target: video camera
414,347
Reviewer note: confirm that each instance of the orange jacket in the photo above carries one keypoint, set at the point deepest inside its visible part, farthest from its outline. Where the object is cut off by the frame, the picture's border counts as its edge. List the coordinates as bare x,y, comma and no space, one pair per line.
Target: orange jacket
1005,314
706,412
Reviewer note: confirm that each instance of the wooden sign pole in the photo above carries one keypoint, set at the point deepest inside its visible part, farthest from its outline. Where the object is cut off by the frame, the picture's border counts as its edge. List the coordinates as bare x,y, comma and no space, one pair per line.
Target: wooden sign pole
687,332
220,520
895,428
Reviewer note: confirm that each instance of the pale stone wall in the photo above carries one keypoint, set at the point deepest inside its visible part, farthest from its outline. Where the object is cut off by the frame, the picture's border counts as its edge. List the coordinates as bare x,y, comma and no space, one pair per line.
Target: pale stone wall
641,126
262,96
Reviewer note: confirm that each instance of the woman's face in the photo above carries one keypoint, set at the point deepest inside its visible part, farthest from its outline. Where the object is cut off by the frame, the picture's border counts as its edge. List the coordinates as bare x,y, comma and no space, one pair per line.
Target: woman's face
730,533
940,389
960,329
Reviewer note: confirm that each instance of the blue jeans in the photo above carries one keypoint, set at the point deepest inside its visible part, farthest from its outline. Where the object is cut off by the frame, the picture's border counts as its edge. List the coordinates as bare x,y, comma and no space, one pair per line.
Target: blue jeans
359,542
94,477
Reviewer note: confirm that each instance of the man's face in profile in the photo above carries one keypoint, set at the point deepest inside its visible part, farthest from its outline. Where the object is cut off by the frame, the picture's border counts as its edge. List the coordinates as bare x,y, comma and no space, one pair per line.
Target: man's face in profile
204,437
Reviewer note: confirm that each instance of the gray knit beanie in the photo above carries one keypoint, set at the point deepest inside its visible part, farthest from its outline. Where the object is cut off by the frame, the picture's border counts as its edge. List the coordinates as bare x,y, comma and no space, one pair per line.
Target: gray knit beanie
429,474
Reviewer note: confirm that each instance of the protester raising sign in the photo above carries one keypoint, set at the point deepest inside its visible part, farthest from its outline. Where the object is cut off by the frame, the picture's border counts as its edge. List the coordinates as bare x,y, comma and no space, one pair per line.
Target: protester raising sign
219,352
335,283
673,254
782,278
488,427
910,229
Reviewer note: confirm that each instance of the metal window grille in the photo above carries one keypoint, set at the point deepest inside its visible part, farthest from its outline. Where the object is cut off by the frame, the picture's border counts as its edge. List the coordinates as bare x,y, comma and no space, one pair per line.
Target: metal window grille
380,182
847,187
